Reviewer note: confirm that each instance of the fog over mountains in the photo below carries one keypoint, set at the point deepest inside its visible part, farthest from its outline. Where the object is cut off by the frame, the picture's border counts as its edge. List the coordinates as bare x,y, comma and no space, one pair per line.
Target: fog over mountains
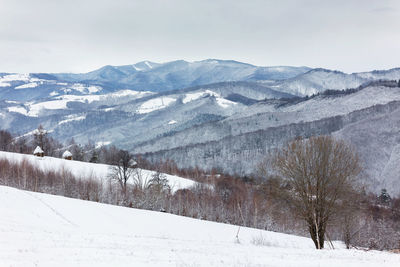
213,113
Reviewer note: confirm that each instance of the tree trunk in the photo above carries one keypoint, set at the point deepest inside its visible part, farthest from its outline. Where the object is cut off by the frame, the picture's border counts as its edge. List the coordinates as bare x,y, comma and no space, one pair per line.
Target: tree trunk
317,235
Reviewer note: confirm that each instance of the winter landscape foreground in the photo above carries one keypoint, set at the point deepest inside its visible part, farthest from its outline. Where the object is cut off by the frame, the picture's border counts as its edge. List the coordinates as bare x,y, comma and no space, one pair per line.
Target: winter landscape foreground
45,230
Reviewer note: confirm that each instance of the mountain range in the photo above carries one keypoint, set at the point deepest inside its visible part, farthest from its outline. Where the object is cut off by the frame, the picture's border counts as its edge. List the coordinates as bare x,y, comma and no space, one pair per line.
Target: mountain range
213,113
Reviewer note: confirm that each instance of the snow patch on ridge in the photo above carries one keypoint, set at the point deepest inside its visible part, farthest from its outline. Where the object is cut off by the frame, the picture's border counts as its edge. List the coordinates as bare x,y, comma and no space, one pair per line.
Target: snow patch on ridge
70,118
86,89
18,109
222,102
148,64
27,85
102,143
155,104
194,96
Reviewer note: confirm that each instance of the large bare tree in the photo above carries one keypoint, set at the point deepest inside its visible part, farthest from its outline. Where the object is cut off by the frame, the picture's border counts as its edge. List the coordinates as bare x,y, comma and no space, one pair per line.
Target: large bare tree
319,171
123,168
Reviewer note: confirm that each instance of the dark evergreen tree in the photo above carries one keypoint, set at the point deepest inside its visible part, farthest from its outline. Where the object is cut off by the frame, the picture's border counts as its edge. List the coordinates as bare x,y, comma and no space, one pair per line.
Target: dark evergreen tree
384,197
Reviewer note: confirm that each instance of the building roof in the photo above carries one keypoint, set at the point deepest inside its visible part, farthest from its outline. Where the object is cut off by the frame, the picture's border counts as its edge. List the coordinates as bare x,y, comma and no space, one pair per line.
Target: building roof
66,154
38,150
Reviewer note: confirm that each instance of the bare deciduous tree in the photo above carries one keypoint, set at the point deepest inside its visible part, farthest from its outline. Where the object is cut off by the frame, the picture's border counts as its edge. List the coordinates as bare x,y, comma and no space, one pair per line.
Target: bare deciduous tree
5,140
319,171
40,137
123,168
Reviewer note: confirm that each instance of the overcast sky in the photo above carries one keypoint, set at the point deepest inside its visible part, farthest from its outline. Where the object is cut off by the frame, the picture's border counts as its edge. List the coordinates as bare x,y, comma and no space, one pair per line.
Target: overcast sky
82,35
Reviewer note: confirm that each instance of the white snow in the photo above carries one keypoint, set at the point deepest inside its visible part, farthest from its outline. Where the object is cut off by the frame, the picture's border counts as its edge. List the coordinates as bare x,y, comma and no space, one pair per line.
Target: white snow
225,103
3,84
46,230
34,109
85,88
93,89
194,96
136,68
38,150
15,77
148,64
66,154
222,102
24,77
109,109
102,143
89,170
70,118
27,85
155,104
18,109
59,103
128,92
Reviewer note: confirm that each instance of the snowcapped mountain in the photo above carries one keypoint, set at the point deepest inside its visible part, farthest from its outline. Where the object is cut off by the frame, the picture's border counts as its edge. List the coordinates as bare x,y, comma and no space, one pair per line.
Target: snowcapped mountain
180,74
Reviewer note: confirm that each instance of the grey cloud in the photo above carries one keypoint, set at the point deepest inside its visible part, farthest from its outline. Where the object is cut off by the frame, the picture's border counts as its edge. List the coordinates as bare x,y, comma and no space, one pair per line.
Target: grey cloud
83,35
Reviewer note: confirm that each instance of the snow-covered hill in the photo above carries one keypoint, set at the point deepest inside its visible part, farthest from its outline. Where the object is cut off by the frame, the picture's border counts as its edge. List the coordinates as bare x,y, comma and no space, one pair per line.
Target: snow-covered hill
45,230
86,170
367,119
318,80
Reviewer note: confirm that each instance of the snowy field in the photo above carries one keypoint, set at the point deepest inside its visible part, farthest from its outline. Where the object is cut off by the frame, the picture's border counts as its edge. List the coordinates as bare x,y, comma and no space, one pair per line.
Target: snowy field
46,230
88,170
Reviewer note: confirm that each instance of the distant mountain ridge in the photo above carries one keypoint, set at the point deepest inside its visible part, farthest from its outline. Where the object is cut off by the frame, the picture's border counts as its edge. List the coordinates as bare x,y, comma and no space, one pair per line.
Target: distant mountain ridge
179,74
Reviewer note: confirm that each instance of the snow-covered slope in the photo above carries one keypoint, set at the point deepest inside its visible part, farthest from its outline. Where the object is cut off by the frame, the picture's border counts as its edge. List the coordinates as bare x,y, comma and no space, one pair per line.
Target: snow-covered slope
88,170
264,115
45,230
318,80
377,140
367,118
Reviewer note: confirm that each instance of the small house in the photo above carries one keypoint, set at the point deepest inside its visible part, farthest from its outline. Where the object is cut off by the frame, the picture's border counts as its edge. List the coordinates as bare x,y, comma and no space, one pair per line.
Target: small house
38,152
67,155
